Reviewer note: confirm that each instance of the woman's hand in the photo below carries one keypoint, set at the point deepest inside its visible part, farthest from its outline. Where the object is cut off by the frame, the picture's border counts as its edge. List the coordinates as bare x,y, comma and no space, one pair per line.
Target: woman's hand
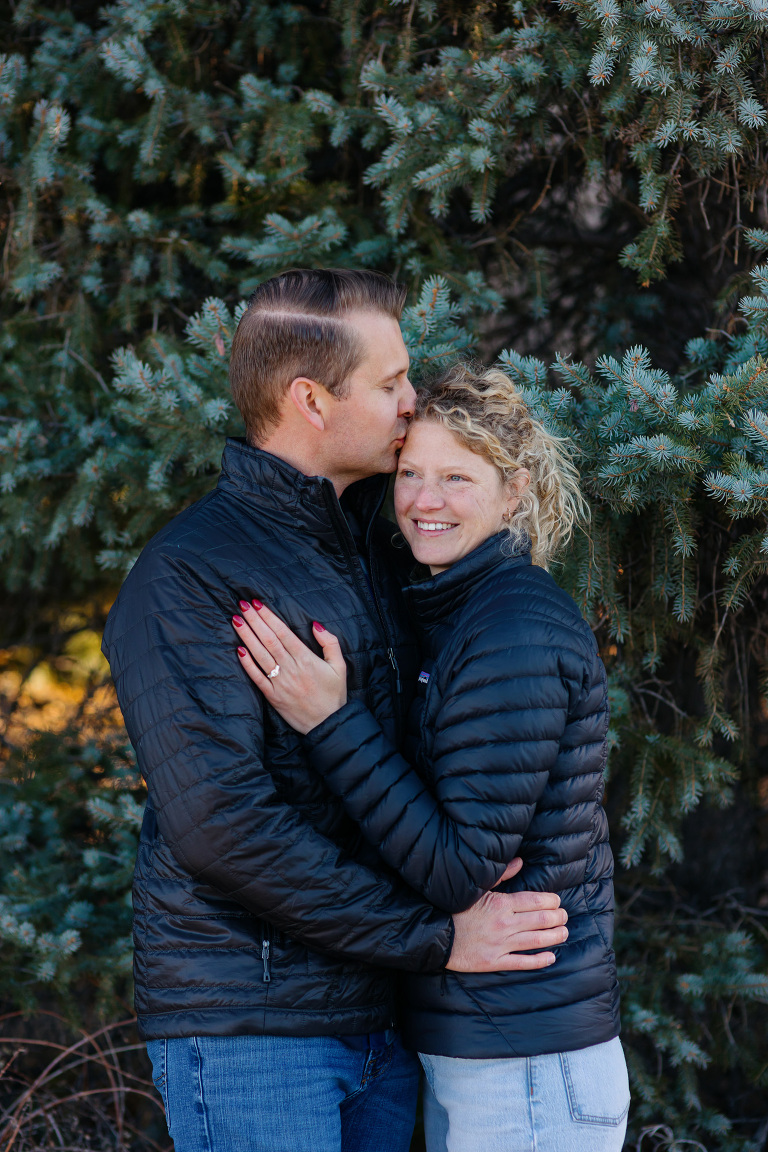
306,690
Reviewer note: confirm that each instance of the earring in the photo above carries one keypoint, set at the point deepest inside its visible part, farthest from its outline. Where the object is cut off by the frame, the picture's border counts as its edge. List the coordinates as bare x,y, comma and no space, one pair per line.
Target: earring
506,516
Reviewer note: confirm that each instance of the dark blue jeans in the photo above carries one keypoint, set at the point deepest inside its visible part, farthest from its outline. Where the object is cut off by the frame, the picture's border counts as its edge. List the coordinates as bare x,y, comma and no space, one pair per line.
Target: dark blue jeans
285,1094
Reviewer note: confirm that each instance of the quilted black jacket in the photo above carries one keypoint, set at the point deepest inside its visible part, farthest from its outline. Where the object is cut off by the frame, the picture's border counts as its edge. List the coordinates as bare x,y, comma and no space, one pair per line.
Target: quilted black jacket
508,745
258,906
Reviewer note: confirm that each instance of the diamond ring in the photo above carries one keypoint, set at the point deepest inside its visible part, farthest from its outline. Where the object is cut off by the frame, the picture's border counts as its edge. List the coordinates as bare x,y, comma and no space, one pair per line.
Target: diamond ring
275,672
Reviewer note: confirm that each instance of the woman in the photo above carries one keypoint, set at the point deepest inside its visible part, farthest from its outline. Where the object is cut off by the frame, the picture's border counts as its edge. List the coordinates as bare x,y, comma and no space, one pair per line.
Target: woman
505,758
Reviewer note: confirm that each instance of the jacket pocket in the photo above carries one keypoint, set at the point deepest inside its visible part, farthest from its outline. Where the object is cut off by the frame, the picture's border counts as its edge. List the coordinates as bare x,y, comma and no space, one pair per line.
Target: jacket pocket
596,1083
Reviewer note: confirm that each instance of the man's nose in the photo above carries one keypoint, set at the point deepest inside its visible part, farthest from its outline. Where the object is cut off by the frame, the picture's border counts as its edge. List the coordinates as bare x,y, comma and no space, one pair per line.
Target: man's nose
407,403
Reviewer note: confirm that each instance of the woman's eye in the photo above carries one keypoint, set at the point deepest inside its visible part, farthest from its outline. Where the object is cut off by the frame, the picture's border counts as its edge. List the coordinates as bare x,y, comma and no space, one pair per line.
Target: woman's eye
406,474
455,477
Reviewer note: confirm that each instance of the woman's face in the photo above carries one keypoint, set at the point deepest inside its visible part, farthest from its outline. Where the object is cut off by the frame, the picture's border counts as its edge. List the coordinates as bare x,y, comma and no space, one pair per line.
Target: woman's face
447,499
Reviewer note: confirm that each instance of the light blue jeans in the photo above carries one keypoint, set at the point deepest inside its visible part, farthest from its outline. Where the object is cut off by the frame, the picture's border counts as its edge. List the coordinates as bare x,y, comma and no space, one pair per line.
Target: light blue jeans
285,1094
566,1102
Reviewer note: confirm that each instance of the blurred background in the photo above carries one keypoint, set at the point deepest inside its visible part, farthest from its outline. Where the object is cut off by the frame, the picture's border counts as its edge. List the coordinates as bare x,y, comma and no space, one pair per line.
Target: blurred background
579,189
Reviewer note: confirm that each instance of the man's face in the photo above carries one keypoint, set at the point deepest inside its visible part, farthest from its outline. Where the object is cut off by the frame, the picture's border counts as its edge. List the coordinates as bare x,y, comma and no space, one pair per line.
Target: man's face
368,424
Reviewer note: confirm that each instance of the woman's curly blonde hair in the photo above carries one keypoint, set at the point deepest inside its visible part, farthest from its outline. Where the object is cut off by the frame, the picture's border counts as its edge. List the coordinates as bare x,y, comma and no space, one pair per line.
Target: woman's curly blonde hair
484,410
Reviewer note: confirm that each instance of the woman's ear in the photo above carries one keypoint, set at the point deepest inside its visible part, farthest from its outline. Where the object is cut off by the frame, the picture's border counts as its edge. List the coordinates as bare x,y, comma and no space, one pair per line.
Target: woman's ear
516,487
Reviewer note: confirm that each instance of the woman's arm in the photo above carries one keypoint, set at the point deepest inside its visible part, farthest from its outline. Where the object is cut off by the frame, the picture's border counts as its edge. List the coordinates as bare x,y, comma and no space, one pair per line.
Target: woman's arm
498,732
307,686
489,767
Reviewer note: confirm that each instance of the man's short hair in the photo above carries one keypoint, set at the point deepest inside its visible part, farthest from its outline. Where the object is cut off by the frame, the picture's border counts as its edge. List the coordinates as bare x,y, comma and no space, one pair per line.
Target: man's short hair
296,325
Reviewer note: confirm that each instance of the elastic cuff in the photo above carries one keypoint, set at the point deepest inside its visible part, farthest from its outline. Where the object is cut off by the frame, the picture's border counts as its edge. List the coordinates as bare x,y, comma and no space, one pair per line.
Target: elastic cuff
451,938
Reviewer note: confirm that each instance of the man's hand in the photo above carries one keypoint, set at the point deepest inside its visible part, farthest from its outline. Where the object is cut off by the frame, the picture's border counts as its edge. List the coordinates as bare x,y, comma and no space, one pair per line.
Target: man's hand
490,933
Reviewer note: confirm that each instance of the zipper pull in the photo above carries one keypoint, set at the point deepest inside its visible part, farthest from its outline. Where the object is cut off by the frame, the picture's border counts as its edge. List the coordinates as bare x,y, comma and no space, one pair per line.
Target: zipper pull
393,662
265,960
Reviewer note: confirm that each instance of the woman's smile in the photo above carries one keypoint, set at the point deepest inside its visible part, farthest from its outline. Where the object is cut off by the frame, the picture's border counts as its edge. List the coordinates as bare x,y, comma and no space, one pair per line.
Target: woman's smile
432,526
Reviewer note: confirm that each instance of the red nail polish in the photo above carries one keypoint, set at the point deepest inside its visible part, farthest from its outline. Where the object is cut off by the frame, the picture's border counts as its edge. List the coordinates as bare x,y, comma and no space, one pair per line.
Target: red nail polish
242,652
317,627
244,605
238,621
257,604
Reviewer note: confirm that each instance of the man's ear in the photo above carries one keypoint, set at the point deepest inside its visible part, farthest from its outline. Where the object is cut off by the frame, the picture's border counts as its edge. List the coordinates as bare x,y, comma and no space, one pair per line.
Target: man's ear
311,400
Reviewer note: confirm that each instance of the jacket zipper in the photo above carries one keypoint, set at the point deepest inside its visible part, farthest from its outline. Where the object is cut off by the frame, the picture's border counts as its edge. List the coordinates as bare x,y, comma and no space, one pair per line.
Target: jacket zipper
265,957
369,592
393,662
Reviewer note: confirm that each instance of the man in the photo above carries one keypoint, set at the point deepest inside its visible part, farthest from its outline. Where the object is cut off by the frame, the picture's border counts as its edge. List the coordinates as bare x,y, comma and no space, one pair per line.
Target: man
267,933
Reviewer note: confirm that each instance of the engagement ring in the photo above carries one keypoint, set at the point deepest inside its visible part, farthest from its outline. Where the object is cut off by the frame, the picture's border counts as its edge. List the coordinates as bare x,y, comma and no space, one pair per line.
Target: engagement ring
275,672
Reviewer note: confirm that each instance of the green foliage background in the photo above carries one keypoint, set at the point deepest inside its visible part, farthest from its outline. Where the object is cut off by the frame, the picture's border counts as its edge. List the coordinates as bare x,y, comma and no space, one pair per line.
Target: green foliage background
579,189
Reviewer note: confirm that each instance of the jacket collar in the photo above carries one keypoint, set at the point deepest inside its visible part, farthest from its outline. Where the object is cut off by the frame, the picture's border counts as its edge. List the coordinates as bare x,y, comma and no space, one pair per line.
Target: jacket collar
292,500
437,597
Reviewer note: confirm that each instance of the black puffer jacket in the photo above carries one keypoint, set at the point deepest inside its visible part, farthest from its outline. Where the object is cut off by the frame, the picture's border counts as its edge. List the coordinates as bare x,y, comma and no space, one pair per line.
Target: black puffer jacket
258,906
509,749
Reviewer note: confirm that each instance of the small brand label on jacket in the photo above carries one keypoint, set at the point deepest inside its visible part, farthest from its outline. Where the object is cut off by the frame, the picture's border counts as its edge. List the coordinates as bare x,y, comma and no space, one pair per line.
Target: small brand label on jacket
423,678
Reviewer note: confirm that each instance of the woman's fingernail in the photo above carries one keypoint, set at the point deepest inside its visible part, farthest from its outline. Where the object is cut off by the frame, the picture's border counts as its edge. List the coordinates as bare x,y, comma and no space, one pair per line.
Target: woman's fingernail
238,621
550,959
317,627
257,604
242,652
244,605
